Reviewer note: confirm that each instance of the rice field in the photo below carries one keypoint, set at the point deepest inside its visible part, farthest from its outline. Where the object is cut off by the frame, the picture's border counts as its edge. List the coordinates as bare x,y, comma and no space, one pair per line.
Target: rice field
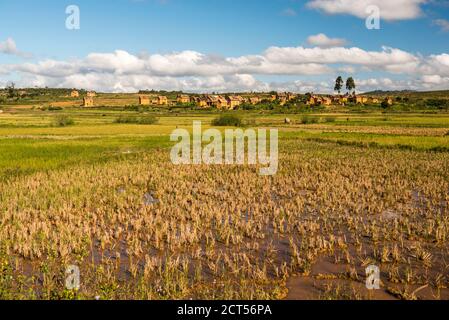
352,190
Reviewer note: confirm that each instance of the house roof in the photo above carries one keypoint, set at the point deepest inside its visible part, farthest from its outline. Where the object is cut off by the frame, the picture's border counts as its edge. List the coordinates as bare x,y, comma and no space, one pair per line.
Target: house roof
212,98
222,99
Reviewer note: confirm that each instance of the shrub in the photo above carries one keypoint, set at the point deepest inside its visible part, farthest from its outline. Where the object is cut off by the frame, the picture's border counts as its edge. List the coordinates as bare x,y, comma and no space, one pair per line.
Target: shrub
51,108
136,120
437,103
227,120
384,104
248,106
309,120
63,121
148,120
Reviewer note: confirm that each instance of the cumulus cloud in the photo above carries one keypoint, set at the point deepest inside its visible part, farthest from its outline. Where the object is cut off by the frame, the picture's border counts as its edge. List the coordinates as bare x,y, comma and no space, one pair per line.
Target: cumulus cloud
133,83
388,59
180,64
9,47
436,64
426,82
390,9
432,82
323,41
121,71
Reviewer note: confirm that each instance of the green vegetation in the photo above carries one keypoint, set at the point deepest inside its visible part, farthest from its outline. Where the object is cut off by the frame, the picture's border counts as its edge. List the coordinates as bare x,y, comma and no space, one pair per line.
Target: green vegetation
309,120
384,105
350,84
227,120
63,121
339,84
137,120
330,119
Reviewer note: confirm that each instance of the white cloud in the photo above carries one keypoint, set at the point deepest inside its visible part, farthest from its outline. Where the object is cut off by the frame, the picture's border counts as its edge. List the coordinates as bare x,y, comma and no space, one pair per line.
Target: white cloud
430,82
274,61
389,9
433,79
389,59
9,47
133,83
436,64
442,23
193,71
323,41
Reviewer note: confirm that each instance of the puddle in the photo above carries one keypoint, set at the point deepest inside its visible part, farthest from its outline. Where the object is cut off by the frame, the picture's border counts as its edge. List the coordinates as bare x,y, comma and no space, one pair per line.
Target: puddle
307,288
327,274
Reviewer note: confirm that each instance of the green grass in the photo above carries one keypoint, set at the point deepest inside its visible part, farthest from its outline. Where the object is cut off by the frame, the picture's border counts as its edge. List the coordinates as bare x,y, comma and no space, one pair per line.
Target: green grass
227,120
29,141
137,120
25,155
390,141
423,143
63,121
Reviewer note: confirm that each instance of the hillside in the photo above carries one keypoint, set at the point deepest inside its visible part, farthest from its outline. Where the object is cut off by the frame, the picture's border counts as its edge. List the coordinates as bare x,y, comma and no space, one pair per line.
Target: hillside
410,93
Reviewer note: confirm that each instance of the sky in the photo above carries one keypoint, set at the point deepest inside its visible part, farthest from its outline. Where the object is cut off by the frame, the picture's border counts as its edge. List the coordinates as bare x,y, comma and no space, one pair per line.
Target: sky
225,45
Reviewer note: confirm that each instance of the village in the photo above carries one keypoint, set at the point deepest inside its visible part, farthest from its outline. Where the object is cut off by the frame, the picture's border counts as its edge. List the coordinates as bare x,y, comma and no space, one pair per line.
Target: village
228,102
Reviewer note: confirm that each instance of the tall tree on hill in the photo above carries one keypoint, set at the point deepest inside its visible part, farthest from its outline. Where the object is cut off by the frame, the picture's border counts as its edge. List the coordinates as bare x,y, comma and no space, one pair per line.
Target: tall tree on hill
339,84
350,84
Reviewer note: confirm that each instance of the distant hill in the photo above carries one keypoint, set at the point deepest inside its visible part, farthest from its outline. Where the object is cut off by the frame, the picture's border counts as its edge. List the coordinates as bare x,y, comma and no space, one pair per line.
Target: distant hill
411,93
385,93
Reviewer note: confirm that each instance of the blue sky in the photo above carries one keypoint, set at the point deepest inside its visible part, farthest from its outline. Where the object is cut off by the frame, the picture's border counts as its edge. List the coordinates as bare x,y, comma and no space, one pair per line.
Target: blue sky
220,29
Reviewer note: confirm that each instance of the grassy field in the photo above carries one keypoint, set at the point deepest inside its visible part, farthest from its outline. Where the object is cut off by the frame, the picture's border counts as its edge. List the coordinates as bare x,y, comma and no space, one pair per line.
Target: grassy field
353,189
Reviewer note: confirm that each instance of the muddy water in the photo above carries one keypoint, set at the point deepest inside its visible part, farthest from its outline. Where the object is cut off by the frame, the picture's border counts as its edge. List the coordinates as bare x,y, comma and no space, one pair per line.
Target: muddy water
330,281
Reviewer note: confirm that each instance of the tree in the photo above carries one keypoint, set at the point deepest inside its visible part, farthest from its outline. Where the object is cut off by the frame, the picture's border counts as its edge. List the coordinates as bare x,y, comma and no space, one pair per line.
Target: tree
384,104
350,84
11,89
338,84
